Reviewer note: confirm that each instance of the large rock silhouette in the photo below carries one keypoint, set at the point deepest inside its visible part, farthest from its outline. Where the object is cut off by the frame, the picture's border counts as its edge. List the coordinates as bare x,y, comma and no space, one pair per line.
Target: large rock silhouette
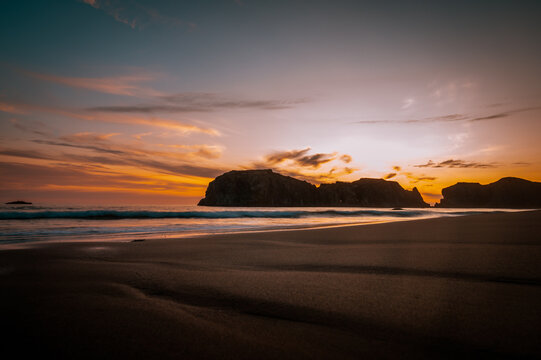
508,192
267,188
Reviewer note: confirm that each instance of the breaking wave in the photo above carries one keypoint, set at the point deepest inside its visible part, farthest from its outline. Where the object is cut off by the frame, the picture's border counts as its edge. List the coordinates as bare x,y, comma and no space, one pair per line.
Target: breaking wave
222,214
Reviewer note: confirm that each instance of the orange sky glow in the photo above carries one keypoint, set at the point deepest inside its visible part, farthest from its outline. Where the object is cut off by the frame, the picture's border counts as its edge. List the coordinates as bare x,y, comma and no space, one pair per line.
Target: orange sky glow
161,105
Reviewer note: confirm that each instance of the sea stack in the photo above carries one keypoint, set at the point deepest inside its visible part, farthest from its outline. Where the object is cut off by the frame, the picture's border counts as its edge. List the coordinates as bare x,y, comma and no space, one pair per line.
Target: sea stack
259,188
267,188
508,192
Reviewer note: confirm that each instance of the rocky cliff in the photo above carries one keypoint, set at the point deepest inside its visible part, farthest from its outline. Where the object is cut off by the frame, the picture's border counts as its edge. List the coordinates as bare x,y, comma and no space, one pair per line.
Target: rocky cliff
267,188
508,192
369,192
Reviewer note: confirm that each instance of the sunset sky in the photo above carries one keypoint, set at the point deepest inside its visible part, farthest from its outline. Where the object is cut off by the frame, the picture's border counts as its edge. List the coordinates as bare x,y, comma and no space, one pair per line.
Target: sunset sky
145,102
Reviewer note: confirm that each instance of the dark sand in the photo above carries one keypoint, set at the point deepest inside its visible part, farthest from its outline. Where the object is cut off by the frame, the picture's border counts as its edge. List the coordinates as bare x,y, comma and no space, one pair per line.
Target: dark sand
440,288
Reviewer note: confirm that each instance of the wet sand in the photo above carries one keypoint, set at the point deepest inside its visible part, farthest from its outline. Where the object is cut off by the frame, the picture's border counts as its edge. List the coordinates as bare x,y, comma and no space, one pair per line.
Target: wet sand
438,288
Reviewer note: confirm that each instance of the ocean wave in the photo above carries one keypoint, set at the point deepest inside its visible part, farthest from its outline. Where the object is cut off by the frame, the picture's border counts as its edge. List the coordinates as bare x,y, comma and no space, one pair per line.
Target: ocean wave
225,214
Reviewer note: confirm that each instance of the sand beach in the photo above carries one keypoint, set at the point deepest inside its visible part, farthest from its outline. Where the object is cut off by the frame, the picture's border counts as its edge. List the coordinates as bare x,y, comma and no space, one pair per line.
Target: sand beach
437,288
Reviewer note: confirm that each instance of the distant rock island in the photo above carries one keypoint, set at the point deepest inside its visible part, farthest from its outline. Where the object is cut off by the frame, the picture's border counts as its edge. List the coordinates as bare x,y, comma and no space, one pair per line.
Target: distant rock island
267,188
19,202
508,192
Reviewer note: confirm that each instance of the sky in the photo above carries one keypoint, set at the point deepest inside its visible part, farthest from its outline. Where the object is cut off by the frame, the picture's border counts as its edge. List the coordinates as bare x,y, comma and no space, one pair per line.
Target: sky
145,102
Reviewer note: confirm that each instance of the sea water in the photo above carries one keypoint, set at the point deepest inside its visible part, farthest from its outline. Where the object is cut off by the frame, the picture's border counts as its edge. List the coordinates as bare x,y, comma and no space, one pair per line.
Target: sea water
35,223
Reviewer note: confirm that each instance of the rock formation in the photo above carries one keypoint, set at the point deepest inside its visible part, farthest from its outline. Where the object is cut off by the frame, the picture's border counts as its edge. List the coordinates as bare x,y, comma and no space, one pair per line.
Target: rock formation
508,192
267,188
258,188
369,193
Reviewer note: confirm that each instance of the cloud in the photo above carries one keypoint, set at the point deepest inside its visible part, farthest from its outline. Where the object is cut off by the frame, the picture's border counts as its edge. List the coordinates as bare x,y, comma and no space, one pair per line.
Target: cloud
318,178
346,158
416,179
173,125
92,137
26,153
101,143
33,129
300,158
281,156
407,103
300,164
445,118
92,149
136,15
452,91
154,16
128,85
410,176
199,102
315,160
158,122
206,151
453,117
11,108
451,163
73,177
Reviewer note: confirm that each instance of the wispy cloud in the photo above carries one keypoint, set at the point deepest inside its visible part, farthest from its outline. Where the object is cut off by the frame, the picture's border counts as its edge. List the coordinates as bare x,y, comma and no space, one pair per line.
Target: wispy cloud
412,178
299,158
407,103
135,15
129,85
299,163
205,151
102,143
36,127
24,153
11,108
346,158
200,102
452,163
99,149
330,176
416,179
451,91
173,125
453,117
88,178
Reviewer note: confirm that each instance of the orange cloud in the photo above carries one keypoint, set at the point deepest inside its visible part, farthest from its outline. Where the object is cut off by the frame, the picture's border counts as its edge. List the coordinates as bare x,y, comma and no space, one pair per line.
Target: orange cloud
11,108
346,158
169,124
117,85
206,151
302,165
63,177
300,158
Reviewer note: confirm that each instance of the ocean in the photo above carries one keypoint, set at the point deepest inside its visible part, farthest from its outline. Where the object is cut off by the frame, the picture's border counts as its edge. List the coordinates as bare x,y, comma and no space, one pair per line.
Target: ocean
34,223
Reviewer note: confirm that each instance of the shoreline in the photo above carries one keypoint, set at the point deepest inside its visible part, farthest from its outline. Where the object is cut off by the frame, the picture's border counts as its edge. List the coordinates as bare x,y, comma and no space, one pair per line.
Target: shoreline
29,244
442,287
140,236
